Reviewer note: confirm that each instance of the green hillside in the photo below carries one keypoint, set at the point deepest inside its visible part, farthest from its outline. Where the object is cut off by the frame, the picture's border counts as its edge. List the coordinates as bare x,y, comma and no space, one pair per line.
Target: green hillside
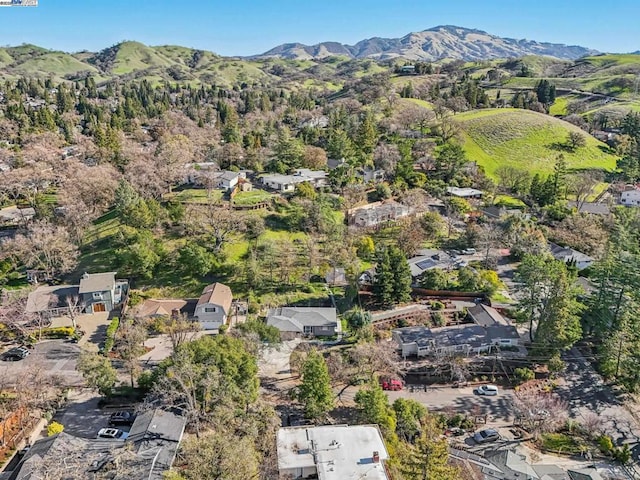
527,140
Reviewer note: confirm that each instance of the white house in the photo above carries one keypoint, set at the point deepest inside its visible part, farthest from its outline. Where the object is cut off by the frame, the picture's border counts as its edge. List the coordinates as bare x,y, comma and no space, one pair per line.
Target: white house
287,183
569,255
332,452
376,213
464,192
630,198
213,307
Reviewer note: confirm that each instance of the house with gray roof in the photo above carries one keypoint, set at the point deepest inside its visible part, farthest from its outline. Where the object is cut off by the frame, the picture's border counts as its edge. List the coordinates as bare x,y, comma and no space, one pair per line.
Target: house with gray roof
569,255
489,330
297,321
101,292
287,183
464,192
147,453
377,213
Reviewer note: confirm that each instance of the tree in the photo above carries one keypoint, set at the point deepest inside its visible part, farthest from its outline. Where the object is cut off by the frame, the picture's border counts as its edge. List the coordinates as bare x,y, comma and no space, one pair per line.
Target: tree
392,282
196,260
358,318
179,329
434,279
315,158
576,140
44,246
97,372
449,160
315,390
549,298
130,346
433,225
408,416
383,279
428,457
213,456
373,407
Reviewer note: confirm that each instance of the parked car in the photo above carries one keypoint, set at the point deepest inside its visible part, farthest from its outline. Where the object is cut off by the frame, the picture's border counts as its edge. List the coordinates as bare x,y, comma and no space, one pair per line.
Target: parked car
486,436
15,354
391,384
488,390
112,433
469,251
121,418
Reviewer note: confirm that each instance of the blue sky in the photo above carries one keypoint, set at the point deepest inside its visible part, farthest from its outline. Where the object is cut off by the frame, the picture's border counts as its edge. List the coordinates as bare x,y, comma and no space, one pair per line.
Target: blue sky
245,27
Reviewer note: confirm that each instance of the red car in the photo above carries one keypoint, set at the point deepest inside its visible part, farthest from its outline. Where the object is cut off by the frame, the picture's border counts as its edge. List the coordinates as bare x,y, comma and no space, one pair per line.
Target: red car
391,384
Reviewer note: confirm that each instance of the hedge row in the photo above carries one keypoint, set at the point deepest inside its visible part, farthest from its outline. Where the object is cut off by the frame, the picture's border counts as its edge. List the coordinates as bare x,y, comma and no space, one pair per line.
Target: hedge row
111,335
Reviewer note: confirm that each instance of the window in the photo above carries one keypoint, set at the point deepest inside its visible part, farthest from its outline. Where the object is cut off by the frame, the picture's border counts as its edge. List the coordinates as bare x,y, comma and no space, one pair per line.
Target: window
210,309
97,295
308,329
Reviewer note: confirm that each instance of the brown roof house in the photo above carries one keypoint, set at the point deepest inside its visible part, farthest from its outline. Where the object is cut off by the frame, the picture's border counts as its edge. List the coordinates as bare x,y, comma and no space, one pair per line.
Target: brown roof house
214,305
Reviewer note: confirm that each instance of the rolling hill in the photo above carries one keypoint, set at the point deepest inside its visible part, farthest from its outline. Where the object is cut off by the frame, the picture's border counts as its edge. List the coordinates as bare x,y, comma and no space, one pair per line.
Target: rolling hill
431,45
526,140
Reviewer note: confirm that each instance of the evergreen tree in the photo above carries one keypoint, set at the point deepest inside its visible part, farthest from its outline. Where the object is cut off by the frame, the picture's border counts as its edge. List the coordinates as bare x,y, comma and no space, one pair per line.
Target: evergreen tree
373,407
315,390
401,275
427,458
383,282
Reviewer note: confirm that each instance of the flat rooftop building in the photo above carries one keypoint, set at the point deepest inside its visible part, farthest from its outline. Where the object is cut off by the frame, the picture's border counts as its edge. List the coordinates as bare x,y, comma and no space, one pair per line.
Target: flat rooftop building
332,452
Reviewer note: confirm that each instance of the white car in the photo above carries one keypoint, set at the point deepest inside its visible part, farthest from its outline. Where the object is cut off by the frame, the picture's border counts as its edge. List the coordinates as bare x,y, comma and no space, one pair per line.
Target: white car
112,433
488,390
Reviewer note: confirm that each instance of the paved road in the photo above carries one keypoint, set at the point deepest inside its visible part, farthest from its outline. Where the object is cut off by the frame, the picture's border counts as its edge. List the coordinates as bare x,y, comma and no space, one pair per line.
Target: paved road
587,394
55,357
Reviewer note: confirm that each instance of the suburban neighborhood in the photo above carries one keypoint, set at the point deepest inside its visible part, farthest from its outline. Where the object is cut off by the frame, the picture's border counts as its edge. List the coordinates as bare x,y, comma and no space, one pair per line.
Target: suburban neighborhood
406,259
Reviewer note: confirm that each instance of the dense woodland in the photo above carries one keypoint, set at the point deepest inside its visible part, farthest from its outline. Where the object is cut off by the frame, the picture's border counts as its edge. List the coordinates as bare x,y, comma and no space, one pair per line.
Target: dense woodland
101,165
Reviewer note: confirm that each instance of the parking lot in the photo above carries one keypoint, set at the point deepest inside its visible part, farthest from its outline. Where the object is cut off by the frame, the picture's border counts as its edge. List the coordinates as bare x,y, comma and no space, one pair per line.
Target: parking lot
53,357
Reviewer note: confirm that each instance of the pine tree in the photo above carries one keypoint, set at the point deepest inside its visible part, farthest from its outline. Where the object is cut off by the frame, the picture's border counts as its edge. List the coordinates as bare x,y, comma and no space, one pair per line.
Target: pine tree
384,278
427,458
315,391
401,275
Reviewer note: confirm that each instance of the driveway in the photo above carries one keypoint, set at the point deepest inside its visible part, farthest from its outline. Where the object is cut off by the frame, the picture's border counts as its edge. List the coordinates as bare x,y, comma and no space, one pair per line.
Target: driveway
462,400
94,326
55,357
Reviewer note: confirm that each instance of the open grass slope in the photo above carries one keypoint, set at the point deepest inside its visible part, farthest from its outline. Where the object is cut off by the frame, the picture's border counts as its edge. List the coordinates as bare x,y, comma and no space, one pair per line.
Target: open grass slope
527,140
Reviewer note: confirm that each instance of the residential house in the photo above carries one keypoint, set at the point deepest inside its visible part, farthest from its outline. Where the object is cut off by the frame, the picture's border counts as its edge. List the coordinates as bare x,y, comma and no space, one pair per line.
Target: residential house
147,453
630,198
377,213
49,301
569,255
159,308
407,70
366,174
489,330
296,321
4,167
591,208
14,216
101,292
287,183
332,452
214,306
498,212
319,121
427,259
509,465
464,192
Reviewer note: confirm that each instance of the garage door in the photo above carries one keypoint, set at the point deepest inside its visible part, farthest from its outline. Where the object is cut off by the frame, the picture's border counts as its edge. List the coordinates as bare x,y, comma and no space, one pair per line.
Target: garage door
99,307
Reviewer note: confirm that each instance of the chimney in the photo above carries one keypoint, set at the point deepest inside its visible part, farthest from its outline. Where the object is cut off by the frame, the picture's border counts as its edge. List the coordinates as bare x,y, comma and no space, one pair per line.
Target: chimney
376,457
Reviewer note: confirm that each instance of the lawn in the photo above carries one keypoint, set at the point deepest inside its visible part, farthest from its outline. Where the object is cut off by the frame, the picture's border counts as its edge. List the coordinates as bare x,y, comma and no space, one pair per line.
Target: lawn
195,195
527,140
560,442
508,201
421,103
252,198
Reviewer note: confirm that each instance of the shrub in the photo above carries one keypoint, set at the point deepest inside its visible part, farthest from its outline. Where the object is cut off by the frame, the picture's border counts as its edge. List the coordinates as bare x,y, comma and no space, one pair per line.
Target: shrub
436,305
58,332
524,374
54,428
438,319
111,335
605,444
623,455
455,421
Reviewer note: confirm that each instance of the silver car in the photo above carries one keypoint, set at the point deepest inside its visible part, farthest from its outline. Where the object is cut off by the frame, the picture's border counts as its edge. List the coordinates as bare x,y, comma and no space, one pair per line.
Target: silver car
486,436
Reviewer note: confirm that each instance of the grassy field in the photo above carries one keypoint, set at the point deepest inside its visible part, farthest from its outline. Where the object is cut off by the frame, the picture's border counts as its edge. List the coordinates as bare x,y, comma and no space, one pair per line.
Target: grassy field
527,140
559,107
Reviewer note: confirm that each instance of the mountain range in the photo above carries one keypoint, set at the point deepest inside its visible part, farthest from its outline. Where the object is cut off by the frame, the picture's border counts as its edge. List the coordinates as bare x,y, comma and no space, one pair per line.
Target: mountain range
445,41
